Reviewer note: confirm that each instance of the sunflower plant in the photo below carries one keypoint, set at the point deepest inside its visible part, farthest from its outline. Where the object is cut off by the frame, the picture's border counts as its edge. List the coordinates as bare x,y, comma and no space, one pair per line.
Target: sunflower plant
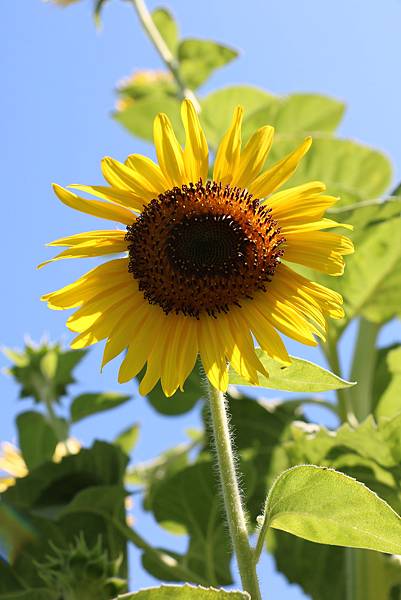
237,238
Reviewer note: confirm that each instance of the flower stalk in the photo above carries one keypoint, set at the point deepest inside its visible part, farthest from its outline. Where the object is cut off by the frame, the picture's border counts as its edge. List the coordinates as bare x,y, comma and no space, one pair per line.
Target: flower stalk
232,497
163,50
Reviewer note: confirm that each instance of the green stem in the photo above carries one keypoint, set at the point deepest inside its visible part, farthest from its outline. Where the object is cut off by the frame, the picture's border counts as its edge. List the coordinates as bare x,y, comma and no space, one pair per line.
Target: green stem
368,577
232,497
163,50
363,367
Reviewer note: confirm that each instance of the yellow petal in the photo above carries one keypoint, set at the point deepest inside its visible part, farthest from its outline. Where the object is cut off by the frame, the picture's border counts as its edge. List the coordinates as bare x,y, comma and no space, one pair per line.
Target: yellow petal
135,329
150,171
169,152
286,319
212,354
265,334
122,176
90,249
88,285
318,250
279,173
228,153
253,157
156,357
189,350
196,152
89,236
102,210
112,194
85,316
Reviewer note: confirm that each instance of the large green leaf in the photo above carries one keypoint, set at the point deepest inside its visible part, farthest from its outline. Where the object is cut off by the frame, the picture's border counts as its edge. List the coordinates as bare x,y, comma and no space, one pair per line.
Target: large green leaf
185,592
321,569
297,113
167,26
350,170
36,438
85,405
199,58
371,284
326,506
300,376
190,499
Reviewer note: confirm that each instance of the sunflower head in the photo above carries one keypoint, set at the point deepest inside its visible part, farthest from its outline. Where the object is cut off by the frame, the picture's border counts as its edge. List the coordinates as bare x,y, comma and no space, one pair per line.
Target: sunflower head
207,257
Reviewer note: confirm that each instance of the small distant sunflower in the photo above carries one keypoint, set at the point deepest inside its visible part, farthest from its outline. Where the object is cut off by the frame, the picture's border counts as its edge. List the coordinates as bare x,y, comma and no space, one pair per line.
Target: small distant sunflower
206,263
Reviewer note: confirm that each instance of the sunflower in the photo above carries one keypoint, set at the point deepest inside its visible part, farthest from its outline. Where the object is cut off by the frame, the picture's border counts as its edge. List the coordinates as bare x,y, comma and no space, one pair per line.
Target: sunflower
206,260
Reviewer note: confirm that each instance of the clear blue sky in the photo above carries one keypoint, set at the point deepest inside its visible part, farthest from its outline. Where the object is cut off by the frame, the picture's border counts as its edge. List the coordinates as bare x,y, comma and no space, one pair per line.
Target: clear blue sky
58,76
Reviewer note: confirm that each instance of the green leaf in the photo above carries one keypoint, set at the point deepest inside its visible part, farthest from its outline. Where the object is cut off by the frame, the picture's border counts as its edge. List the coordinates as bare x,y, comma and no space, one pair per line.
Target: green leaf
365,214
371,284
389,402
30,594
218,107
190,499
167,26
297,113
36,438
44,371
151,474
321,570
325,506
350,170
128,438
51,486
184,592
180,402
199,58
85,405
300,376
138,117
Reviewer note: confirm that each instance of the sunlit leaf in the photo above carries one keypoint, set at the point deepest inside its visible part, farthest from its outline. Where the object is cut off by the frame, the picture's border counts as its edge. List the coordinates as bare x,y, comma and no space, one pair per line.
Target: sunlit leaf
323,505
296,113
199,58
185,592
350,170
85,405
300,376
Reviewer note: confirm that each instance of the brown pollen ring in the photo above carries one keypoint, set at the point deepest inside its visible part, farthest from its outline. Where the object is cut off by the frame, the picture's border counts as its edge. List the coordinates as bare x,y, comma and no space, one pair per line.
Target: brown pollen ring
202,248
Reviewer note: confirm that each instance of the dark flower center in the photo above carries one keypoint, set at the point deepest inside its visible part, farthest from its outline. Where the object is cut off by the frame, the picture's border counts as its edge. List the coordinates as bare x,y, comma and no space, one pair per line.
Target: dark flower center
202,248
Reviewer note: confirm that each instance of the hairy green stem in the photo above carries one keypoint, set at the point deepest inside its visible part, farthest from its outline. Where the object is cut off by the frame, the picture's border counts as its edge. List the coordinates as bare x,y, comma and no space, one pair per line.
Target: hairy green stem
163,50
231,493
363,367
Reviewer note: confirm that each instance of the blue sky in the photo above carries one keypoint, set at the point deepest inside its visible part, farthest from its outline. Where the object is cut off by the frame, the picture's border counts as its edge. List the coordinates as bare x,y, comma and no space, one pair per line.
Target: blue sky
58,78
